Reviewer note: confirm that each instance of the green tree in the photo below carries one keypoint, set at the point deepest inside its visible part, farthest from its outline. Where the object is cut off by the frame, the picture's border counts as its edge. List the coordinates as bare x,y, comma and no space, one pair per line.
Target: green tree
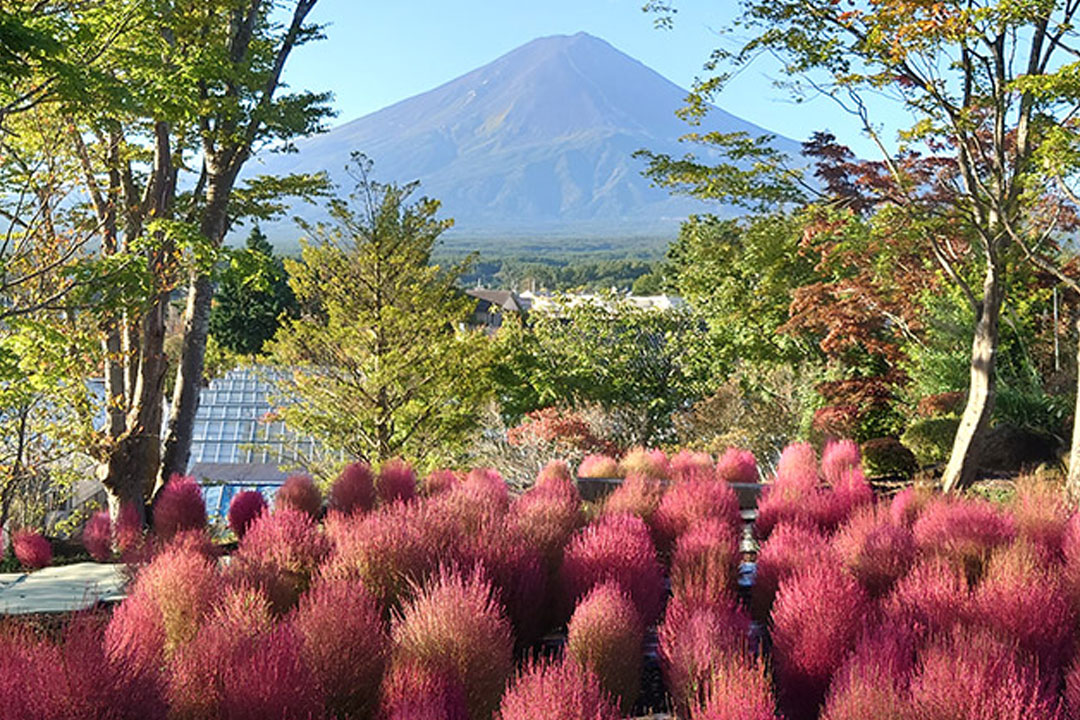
251,298
378,364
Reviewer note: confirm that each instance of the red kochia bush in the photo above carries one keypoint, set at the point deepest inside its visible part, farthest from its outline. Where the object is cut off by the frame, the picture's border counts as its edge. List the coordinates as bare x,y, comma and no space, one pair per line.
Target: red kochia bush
1042,517
798,460
873,681
737,466
129,533
416,692
616,548
930,600
397,481
546,519
599,466
696,636
875,550
908,504
244,508
354,489
455,626
705,560
838,457
605,636
816,618
691,501
280,553
179,506
97,536
690,465
298,492
439,481
556,470
788,550
481,499
737,688
650,463
636,495
31,549
963,531
546,690
344,645
970,675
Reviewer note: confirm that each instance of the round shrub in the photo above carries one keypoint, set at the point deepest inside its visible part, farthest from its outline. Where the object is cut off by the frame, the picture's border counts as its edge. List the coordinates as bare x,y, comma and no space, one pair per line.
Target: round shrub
931,599
636,495
481,499
556,470
689,502
838,457
455,626
887,457
876,551
817,617
705,560
298,492
873,681
344,645
97,536
737,688
439,481
930,439
737,466
599,466
244,508
690,465
31,549
650,463
798,460
179,505
1042,517
397,481
789,549
354,489
605,636
963,531
556,689
908,504
129,533
413,691
546,520
616,548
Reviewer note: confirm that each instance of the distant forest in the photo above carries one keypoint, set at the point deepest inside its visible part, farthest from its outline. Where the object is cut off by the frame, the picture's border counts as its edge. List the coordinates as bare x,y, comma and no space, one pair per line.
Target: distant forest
635,272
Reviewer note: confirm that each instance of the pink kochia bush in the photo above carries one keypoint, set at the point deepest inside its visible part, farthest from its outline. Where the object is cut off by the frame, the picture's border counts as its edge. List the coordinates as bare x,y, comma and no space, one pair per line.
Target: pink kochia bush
439,481
455,627
817,617
790,549
1042,517
737,466
838,457
562,689
179,506
599,466
298,492
690,501
873,681
605,636
930,600
705,560
344,645
412,691
616,548
690,465
964,532
637,495
650,463
31,549
545,518
397,481
737,688
243,509
876,551
97,536
797,462
354,489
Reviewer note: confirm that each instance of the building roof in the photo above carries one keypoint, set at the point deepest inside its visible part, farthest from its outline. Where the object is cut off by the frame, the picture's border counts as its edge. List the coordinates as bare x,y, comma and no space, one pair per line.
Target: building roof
504,299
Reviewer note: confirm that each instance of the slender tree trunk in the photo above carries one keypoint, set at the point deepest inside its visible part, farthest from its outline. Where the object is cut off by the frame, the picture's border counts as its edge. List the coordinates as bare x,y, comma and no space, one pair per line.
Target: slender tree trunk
1072,481
964,460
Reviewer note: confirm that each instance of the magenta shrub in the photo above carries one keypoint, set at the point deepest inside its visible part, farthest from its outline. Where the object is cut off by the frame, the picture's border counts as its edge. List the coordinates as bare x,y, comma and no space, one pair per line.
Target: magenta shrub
788,550
797,462
636,495
737,466
650,463
837,458
439,481
298,492
690,465
545,690
344,645
455,626
618,548
908,504
179,505
1042,518
280,553
31,549
479,500
875,550
599,466
129,534
545,519
97,536
243,509
816,618
689,502
737,688
963,531
1072,690
705,560
412,691
354,489
605,636
873,682
397,481
931,599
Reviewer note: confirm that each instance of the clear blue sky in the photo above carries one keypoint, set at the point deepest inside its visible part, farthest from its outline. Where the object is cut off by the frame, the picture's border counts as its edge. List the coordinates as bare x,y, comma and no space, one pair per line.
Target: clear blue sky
378,53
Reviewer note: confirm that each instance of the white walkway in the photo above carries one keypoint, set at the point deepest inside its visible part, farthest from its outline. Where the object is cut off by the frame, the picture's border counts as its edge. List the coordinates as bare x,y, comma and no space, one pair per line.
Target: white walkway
61,589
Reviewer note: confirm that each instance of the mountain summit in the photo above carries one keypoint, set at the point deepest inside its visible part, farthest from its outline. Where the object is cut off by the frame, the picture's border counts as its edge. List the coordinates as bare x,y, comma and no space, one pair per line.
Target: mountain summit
537,143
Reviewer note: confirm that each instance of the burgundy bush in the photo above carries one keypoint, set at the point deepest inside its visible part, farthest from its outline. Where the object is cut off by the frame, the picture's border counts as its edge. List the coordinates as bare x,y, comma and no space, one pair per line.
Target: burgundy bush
455,626
97,536
788,550
873,682
637,495
780,505
31,549
129,533
599,466
298,492
650,463
705,560
344,645
875,550
689,502
479,500
618,548
737,688
546,520
737,466
605,636
179,505
439,481
837,458
970,675
1072,690
397,481
930,600
280,553
689,465
354,489
416,692
817,616
964,531
695,637
243,509
908,504
545,690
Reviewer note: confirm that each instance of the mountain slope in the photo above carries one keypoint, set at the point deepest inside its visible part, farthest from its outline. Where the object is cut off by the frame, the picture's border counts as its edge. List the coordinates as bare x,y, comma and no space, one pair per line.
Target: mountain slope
538,142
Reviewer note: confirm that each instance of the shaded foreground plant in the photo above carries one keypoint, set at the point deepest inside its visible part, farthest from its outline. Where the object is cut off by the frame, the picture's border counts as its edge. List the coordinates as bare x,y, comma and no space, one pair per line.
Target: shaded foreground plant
605,636
737,688
556,689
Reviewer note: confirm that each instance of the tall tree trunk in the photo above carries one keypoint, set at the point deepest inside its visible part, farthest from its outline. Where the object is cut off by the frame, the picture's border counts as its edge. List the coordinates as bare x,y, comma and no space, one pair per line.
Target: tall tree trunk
1072,481
964,460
